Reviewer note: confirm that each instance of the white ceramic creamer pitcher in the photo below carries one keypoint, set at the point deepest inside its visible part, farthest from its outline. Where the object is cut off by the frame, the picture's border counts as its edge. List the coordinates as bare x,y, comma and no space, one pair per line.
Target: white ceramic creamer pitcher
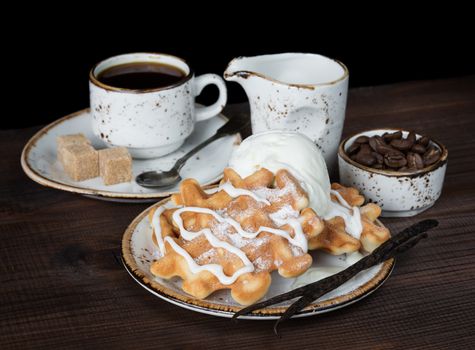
295,92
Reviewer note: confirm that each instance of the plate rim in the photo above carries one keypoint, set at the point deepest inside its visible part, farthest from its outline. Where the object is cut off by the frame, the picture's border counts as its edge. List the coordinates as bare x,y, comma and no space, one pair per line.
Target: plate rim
253,316
44,181
208,307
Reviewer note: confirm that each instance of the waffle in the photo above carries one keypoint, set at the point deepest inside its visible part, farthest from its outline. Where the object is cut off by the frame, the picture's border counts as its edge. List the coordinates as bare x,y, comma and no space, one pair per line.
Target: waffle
266,252
335,240
236,237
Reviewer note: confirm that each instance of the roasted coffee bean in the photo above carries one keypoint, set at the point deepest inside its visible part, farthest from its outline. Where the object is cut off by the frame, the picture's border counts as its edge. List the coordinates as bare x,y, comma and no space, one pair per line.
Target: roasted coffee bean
353,148
394,160
393,136
414,161
365,148
365,158
362,139
411,161
411,137
379,158
419,161
374,142
379,146
402,144
431,156
392,151
424,141
387,149
418,148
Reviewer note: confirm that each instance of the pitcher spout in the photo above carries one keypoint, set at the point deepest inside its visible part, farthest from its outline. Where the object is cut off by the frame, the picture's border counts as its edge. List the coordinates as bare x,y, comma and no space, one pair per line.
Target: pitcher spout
236,76
237,70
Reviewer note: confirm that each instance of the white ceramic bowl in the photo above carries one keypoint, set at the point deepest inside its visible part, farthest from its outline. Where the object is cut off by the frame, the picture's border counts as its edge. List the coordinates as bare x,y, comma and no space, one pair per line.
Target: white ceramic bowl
400,194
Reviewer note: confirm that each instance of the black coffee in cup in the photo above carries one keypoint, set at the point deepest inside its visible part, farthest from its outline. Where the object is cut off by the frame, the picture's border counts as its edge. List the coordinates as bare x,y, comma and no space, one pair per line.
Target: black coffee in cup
141,75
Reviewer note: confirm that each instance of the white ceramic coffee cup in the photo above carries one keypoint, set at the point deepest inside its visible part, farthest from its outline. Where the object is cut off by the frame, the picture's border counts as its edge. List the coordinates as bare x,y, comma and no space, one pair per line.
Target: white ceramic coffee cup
150,122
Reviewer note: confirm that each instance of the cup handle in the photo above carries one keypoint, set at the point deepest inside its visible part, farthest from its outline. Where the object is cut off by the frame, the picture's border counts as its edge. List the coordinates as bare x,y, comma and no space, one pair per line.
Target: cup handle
203,113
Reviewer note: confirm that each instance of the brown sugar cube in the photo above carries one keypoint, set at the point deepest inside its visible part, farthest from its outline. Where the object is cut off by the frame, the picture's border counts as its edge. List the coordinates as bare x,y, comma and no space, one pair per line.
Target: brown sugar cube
69,140
80,162
115,165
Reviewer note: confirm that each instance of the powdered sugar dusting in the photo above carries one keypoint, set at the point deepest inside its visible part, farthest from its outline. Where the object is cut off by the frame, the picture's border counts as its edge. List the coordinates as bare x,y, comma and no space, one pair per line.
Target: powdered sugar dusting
206,257
221,229
274,194
237,212
238,240
224,230
262,264
283,214
296,251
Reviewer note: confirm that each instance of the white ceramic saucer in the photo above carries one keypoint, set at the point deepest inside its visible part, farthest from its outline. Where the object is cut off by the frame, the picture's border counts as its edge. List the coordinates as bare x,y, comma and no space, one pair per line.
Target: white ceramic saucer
40,164
139,251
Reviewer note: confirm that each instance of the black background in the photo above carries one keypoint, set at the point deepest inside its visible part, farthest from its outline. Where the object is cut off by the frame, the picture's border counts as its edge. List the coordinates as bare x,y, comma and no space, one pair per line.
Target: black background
46,63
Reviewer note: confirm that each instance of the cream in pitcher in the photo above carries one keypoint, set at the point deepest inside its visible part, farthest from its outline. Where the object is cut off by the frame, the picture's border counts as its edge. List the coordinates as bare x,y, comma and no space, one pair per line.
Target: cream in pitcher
295,92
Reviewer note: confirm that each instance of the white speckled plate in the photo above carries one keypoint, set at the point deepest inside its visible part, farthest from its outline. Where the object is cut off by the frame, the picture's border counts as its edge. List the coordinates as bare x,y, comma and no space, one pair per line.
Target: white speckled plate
39,160
138,252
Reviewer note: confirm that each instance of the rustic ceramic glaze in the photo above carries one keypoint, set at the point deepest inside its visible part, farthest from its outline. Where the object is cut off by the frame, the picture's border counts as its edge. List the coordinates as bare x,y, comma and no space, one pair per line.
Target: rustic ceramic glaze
295,92
39,160
399,194
139,251
150,122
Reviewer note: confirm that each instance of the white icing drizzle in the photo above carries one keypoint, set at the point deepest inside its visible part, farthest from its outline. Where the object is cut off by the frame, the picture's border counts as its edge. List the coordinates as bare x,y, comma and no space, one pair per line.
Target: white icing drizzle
236,192
212,239
298,240
340,199
215,269
351,215
158,229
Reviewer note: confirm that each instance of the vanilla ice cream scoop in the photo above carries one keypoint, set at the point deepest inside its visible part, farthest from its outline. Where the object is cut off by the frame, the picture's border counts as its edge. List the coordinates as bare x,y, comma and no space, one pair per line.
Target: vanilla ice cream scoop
295,152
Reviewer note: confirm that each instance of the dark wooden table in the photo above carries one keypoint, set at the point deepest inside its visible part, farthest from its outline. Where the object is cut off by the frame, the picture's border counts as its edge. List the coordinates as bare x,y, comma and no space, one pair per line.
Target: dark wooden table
62,286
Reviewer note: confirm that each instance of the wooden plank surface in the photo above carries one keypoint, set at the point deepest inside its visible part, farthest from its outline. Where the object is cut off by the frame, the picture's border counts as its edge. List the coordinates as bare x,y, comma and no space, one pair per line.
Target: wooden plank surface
61,285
